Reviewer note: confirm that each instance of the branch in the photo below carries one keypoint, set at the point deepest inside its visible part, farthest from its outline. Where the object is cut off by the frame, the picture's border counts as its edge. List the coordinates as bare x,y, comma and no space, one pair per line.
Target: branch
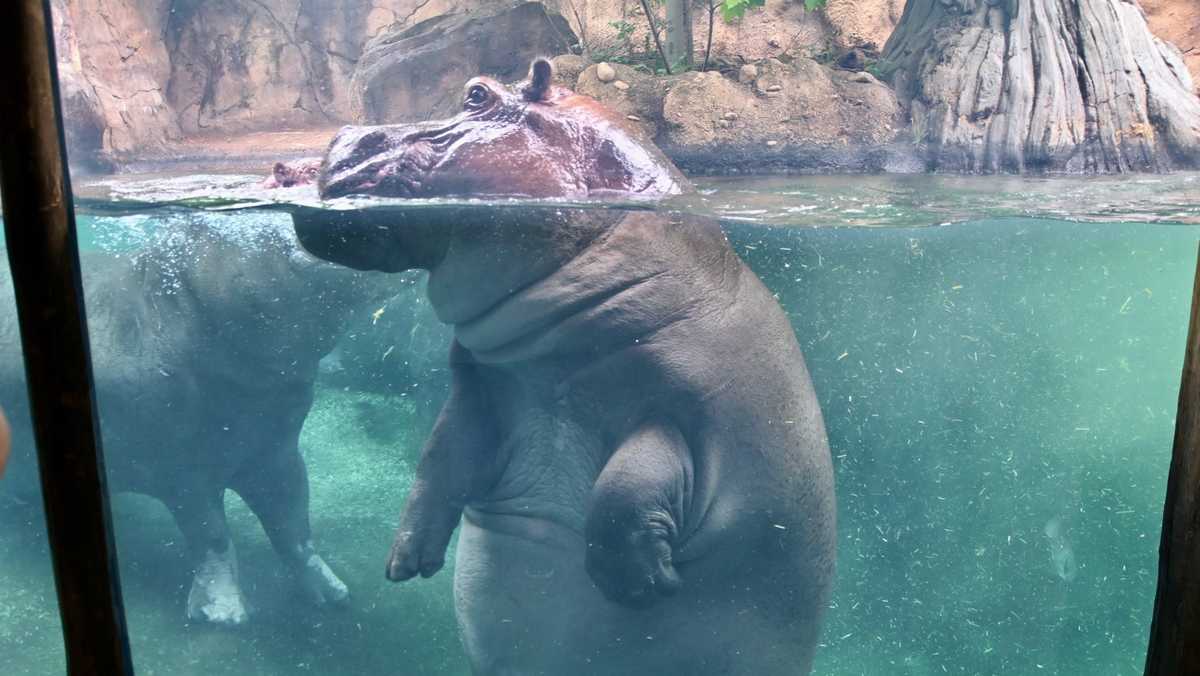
654,32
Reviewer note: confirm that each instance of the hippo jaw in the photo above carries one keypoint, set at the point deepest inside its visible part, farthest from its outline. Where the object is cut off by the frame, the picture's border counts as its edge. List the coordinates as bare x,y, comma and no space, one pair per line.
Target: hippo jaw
535,140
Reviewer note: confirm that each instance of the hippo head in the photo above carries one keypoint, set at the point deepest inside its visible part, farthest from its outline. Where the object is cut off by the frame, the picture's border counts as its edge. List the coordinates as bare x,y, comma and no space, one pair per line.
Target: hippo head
535,140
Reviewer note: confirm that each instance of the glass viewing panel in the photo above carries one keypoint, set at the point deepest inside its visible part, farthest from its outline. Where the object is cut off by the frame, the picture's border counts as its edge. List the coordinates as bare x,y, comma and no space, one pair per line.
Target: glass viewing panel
665,320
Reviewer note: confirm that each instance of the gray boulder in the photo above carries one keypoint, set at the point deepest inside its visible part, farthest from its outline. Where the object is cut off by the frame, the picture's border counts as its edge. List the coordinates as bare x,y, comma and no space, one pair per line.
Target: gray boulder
418,72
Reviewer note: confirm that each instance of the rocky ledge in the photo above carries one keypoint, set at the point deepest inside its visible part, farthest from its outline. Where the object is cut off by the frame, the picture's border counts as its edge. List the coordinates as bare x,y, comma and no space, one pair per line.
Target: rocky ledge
770,116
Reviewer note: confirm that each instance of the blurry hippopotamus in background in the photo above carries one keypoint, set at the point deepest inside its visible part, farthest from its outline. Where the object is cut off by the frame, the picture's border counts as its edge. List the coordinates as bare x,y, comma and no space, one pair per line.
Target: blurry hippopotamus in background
296,172
631,442
205,344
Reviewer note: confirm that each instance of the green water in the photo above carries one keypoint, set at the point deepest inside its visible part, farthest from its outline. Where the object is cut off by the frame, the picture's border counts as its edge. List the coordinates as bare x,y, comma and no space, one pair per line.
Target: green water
978,379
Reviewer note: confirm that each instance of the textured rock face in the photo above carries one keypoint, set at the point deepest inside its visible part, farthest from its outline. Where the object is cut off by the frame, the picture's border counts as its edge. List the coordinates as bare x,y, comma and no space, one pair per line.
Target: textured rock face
137,75
793,116
863,23
418,73
789,116
640,101
1178,22
1060,85
113,69
237,62
239,65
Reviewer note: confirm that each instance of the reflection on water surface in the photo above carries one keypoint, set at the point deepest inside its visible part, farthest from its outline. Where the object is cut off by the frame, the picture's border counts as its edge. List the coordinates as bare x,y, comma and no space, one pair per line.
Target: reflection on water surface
818,201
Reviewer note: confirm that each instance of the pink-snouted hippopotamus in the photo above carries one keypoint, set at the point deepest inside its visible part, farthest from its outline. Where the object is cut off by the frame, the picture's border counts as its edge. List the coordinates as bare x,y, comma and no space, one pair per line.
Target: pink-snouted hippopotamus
631,444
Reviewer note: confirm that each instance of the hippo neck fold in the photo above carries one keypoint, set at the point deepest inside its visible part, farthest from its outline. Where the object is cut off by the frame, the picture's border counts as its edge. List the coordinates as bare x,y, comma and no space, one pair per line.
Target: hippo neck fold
641,275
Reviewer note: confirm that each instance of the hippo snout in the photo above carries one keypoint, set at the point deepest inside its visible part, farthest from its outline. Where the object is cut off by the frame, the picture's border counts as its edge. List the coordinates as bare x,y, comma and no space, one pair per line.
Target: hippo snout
380,161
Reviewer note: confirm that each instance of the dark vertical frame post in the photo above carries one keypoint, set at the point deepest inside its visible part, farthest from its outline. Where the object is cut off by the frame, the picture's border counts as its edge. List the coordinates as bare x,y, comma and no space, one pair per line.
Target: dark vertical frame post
39,225
1175,630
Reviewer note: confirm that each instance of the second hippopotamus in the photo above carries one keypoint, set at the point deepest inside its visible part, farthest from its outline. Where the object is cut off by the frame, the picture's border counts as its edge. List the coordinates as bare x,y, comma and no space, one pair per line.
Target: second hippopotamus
631,448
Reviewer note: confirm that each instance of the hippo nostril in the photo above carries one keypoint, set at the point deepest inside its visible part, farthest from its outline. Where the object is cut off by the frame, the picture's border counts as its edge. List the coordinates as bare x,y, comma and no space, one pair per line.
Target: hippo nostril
364,148
372,143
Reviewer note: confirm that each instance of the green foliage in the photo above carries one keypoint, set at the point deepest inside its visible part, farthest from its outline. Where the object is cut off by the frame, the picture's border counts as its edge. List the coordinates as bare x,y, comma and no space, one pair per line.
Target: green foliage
618,49
731,10
624,29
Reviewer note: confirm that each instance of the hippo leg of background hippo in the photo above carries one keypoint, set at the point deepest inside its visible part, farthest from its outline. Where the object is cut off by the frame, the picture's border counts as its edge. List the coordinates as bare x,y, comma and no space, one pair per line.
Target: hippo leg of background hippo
275,488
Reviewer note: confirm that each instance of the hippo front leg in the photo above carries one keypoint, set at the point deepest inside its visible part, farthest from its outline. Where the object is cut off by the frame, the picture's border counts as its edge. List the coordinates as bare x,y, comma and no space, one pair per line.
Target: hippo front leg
458,463
634,514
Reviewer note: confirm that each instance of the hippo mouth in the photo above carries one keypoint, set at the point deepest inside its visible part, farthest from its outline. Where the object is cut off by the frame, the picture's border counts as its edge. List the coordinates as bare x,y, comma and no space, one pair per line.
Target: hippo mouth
382,161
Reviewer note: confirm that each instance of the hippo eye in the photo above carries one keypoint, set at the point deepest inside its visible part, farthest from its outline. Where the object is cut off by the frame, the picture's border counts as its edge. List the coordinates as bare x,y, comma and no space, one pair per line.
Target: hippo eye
477,95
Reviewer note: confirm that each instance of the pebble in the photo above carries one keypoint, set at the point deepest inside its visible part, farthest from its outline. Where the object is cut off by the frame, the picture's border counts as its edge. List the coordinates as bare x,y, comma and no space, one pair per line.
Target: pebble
748,73
633,118
775,88
772,144
620,84
724,124
731,116
863,76
605,72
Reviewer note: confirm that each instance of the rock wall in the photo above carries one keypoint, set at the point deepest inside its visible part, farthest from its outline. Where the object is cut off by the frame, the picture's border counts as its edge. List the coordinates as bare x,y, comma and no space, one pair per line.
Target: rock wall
254,64
113,68
408,74
140,76
1178,22
866,25
771,115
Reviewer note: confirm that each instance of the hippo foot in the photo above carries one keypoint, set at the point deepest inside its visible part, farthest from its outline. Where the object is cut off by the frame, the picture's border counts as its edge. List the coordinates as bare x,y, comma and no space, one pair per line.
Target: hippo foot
321,585
637,573
415,553
215,596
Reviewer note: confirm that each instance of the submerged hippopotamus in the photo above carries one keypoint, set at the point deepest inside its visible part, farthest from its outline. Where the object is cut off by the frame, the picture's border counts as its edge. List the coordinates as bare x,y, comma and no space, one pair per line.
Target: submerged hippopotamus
631,443
204,346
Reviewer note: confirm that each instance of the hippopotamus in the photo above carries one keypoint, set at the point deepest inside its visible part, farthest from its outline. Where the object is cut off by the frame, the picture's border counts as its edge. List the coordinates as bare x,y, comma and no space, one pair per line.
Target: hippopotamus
293,173
631,448
205,345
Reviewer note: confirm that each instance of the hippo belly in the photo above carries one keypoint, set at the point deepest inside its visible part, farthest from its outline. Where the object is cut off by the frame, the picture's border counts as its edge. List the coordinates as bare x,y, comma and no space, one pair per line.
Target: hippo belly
754,553
528,607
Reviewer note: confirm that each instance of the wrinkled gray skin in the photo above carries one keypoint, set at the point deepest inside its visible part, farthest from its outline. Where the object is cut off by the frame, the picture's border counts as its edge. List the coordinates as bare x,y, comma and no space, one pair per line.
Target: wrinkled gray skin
631,443
204,350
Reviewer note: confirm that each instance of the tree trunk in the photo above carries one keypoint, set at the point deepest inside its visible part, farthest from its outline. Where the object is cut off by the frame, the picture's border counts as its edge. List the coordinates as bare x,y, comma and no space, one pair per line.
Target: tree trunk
1055,85
678,31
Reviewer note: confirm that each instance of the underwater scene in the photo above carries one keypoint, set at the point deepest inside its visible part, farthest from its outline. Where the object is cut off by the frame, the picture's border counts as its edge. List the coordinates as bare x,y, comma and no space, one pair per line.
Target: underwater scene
996,362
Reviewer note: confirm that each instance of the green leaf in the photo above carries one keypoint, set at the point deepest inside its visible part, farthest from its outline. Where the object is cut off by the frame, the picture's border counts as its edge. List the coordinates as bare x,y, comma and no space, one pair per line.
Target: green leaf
732,10
812,5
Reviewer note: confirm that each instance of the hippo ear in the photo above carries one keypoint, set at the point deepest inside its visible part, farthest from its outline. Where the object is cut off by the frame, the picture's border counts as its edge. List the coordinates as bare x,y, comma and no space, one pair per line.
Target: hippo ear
541,74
